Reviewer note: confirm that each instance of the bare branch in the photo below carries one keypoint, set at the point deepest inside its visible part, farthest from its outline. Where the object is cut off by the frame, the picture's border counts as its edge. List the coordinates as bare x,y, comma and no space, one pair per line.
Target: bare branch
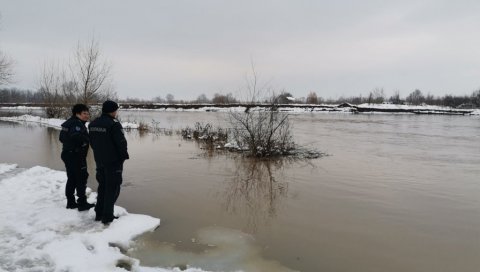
90,73
6,69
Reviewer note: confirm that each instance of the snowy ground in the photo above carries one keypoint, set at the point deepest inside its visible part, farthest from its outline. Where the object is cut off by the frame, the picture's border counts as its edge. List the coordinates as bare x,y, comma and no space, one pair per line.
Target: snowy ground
37,233
296,108
414,107
51,122
307,108
287,109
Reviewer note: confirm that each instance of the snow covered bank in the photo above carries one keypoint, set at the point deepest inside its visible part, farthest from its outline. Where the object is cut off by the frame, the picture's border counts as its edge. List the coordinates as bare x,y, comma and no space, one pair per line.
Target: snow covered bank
39,234
476,112
21,108
52,122
289,108
304,108
415,109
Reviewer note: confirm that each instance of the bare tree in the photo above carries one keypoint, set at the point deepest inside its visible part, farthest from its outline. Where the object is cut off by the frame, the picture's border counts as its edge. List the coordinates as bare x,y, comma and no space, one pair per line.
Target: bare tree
6,68
312,98
170,98
376,96
158,99
255,88
54,90
416,97
263,132
395,98
223,99
202,99
476,98
91,73
6,71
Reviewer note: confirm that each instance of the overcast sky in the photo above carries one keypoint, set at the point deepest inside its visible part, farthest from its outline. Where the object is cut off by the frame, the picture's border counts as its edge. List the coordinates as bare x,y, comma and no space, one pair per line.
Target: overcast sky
335,48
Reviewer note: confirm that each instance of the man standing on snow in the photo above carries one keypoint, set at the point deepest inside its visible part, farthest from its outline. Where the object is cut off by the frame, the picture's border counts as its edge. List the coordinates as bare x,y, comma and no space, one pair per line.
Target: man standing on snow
74,137
110,151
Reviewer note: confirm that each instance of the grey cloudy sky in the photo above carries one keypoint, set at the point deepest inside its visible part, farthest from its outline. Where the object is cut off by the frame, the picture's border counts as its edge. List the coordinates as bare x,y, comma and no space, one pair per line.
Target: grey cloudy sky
335,48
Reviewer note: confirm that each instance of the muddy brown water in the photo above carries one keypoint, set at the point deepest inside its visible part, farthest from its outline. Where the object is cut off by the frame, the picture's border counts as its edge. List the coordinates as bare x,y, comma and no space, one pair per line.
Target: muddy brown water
396,193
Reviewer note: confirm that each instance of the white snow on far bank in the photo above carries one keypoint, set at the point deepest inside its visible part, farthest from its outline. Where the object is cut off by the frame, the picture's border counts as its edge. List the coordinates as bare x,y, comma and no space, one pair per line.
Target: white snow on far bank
403,107
21,108
53,122
39,234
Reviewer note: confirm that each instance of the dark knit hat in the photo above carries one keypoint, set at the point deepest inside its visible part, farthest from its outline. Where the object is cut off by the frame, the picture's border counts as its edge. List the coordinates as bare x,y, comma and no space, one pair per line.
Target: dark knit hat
109,106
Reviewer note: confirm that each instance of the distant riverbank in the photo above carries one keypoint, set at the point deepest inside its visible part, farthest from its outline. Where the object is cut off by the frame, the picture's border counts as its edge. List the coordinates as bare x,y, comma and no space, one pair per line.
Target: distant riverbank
289,108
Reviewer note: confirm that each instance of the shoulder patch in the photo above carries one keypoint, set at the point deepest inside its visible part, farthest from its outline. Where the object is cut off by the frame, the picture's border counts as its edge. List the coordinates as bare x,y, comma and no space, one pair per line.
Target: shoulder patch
77,128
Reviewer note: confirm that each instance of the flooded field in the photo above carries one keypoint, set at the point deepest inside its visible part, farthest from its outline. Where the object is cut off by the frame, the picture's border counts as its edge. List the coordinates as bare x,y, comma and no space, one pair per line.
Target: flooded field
395,193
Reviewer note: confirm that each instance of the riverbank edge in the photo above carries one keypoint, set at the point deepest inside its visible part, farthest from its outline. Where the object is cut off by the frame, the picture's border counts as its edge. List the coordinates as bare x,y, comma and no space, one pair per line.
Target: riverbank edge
287,108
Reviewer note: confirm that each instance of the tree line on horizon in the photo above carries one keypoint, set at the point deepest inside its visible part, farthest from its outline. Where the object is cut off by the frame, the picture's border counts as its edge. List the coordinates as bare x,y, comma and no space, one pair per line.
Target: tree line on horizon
377,96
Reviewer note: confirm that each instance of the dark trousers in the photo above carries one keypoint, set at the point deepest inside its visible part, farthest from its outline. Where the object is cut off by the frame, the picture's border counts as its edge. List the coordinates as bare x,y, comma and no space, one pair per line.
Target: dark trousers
77,175
109,179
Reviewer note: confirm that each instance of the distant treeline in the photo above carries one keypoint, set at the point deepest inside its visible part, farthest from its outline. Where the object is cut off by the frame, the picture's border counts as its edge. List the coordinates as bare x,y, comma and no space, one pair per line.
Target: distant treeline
20,96
416,97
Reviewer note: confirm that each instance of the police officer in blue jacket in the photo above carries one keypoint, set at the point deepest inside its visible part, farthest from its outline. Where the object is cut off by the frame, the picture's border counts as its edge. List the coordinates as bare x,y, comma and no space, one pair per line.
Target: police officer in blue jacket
74,137
110,151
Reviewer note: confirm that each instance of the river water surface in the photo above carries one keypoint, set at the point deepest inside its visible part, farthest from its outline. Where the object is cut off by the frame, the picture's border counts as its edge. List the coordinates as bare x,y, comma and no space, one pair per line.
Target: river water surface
395,193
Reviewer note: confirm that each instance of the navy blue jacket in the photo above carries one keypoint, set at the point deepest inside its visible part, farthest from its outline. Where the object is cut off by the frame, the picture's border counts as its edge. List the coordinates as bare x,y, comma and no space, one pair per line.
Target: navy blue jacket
108,140
74,136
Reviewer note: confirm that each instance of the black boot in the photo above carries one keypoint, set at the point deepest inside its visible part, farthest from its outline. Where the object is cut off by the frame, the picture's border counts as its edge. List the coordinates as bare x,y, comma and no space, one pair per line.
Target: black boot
72,205
85,206
108,220
98,217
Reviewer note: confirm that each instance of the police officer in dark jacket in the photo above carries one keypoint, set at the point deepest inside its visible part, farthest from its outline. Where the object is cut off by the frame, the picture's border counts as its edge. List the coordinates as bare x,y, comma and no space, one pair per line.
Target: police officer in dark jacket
74,137
110,151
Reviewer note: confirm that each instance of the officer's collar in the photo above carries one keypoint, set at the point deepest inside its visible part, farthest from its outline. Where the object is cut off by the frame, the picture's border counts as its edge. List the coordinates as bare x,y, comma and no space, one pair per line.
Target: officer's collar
75,116
106,114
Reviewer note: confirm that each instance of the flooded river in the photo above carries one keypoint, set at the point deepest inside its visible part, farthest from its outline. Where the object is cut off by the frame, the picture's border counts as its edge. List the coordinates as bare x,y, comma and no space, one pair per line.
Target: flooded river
395,193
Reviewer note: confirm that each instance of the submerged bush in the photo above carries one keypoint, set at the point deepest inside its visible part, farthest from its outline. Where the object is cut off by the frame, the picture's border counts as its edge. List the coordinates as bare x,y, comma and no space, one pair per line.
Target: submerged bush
209,136
264,133
276,143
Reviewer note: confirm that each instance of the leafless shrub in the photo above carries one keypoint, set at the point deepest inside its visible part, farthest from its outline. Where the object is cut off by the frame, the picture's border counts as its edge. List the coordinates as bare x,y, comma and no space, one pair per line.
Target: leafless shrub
206,134
264,133
142,126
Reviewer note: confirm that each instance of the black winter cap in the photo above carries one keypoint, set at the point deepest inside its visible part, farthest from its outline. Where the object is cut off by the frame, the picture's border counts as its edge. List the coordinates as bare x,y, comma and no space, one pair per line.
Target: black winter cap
109,106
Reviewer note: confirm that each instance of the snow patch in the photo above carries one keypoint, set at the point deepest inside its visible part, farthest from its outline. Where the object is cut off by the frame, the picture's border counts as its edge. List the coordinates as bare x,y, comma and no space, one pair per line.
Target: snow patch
6,167
53,122
39,234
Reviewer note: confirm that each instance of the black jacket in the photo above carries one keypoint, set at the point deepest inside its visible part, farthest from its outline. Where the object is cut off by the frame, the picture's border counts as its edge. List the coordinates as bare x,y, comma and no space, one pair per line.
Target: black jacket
107,140
74,136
